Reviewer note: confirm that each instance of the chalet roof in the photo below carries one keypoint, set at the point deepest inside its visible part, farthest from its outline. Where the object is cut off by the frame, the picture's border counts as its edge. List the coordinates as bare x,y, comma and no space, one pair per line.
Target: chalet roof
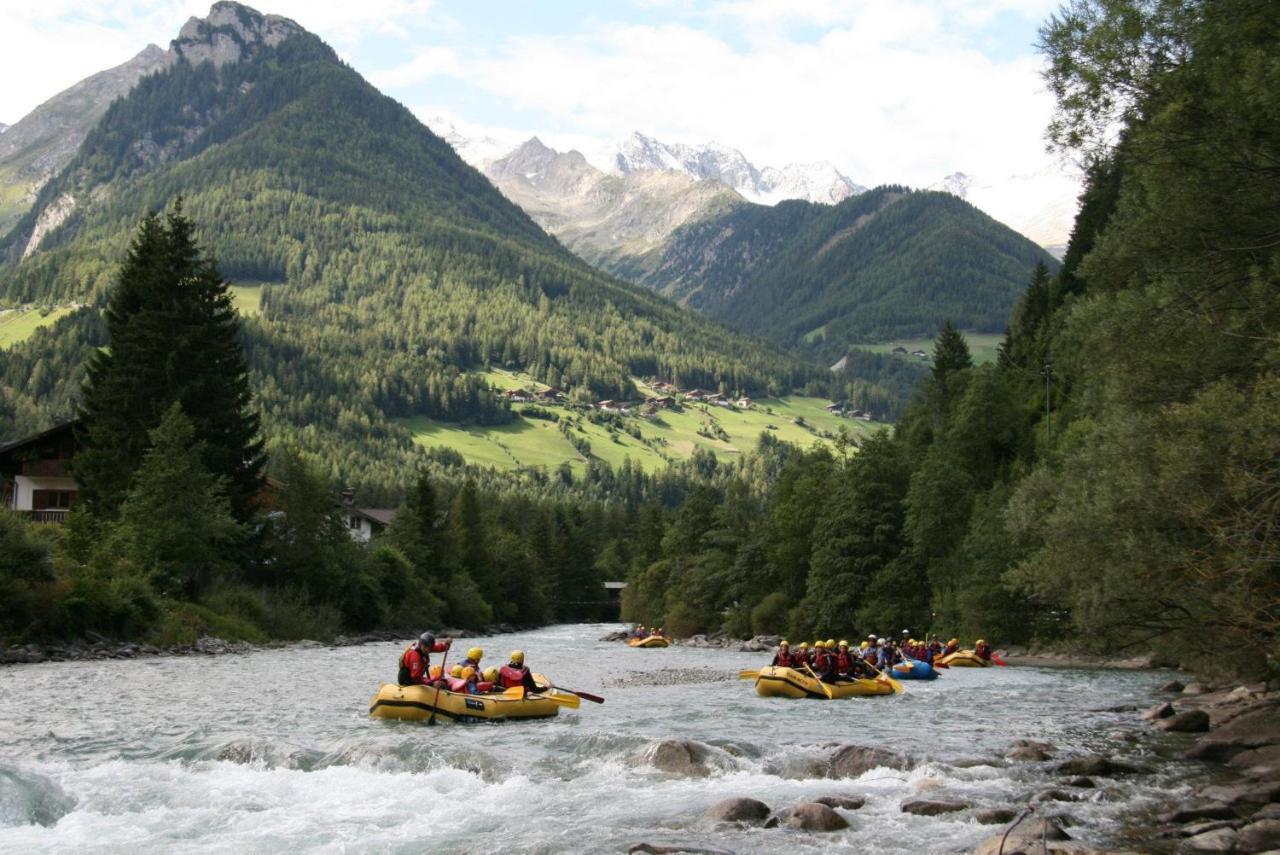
381,516
69,424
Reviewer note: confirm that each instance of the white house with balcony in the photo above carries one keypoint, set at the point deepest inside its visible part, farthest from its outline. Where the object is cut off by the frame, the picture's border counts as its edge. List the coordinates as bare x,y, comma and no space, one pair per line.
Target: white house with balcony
35,479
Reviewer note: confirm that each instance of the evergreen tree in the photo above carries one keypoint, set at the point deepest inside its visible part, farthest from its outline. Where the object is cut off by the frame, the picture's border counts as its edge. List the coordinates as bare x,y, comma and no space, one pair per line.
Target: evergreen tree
172,336
180,552
950,353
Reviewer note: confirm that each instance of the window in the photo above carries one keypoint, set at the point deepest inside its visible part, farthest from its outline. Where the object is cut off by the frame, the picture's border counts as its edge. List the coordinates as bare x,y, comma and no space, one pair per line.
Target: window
42,500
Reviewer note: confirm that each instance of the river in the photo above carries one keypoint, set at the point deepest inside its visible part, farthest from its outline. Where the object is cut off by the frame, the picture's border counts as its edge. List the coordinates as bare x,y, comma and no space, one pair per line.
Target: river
273,751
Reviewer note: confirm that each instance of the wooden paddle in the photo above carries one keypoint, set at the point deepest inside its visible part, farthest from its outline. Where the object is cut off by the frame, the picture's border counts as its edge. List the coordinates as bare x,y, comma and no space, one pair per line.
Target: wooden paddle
825,687
443,661
885,678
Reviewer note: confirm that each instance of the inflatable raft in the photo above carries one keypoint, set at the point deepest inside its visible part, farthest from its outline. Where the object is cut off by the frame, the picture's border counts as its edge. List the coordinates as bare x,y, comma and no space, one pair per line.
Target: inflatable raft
650,641
914,669
776,682
965,659
416,703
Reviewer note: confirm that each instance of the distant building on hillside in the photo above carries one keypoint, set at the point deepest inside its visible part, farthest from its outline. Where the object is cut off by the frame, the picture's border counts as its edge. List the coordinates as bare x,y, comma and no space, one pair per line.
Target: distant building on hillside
920,354
35,476
550,396
518,396
900,350
665,402
363,523
744,403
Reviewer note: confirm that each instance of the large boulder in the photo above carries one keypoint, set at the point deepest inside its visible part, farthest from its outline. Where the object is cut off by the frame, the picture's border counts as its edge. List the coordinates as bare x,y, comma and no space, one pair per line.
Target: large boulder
681,757
1196,813
1026,836
1218,840
995,816
1256,727
1164,710
1172,686
1191,721
932,807
737,810
850,761
1249,792
1261,836
1267,755
808,816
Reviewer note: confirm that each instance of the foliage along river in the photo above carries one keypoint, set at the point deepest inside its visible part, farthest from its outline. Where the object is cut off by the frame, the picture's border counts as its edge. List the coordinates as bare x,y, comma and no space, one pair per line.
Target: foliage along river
274,751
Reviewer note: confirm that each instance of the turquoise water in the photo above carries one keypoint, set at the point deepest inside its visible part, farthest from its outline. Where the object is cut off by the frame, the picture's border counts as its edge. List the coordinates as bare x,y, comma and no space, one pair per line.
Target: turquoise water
274,751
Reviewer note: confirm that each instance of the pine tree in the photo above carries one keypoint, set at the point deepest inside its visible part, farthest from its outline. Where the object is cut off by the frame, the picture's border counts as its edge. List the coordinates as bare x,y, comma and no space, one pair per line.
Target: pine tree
950,353
173,336
181,553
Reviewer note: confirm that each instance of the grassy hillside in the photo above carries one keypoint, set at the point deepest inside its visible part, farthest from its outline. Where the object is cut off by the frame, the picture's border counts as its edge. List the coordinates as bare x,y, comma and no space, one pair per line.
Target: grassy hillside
673,435
17,325
982,346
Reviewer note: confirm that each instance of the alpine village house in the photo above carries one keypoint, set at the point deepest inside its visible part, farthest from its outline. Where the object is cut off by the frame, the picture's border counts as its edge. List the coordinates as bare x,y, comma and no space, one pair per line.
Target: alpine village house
36,482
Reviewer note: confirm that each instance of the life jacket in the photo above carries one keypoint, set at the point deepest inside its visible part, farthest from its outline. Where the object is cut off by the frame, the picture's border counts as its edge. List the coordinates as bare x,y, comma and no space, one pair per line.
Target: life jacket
509,677
821,661
983,651
783,659
404,677
455,684
844,662
483,686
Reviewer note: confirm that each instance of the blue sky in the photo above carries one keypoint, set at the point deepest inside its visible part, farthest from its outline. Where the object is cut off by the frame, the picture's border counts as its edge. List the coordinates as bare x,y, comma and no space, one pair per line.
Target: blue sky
886,90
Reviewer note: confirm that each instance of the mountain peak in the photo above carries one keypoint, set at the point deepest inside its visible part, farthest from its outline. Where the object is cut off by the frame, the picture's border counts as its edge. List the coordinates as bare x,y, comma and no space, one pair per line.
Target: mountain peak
230,32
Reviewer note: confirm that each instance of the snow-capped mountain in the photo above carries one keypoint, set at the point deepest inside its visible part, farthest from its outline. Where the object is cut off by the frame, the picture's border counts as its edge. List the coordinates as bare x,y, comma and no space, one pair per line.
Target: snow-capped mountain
1040,205
813,182
473,145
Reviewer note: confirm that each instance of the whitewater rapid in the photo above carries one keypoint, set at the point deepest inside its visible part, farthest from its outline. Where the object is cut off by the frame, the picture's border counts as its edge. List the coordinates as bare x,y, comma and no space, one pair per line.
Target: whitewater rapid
274,751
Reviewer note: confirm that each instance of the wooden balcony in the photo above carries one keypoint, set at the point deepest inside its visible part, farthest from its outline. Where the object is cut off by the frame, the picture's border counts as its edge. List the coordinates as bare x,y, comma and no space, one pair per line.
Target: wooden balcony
47,515
45,468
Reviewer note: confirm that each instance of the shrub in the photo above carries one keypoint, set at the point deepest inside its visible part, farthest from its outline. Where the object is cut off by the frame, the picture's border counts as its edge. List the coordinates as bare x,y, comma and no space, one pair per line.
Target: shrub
770,617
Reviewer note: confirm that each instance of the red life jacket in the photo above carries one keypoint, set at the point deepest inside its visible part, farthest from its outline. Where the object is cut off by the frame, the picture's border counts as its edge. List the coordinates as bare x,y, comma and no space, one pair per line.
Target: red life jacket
844,662
484,686
783,659
983,651
821,661
509,677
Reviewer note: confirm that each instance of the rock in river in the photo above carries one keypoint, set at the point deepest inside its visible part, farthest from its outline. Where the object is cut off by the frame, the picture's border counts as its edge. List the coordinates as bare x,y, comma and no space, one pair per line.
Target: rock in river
932,807
737,810
1191,721
842,802
678,757
1261,836
808,816
995,816
1093,765
850,761
1025,837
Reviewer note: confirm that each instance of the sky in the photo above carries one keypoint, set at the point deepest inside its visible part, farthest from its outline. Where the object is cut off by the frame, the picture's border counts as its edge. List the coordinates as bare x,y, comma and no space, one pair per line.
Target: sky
901,91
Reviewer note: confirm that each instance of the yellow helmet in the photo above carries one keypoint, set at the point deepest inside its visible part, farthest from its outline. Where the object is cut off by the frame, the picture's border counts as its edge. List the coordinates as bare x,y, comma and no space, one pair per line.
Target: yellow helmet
517,657
844,643
864,645
468,673
954,641
475,654
831,642
436,672
491,674
911,641
980,641
817,644
455,671
784,643
802,646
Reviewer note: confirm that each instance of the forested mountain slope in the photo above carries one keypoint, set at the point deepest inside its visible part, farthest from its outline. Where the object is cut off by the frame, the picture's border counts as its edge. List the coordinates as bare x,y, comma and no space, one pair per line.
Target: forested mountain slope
387,268
885,264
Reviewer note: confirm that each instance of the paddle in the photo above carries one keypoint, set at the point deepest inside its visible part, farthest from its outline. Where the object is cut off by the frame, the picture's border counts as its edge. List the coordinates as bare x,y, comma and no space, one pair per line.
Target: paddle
443,661
882,676
570,701
825,687
996,659
541,680
748,675
516,692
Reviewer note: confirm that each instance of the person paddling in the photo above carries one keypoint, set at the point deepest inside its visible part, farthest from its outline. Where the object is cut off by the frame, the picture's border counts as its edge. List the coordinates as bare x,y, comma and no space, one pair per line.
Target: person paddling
415,661
982,650
515,673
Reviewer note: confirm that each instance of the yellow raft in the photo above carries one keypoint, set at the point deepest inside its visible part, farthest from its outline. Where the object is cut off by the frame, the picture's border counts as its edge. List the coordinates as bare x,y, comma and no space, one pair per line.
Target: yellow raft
416,703
651,641
965,659
777,682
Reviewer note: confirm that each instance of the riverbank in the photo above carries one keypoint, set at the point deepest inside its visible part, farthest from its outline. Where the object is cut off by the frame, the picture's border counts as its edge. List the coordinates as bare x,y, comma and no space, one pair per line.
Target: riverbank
97,647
